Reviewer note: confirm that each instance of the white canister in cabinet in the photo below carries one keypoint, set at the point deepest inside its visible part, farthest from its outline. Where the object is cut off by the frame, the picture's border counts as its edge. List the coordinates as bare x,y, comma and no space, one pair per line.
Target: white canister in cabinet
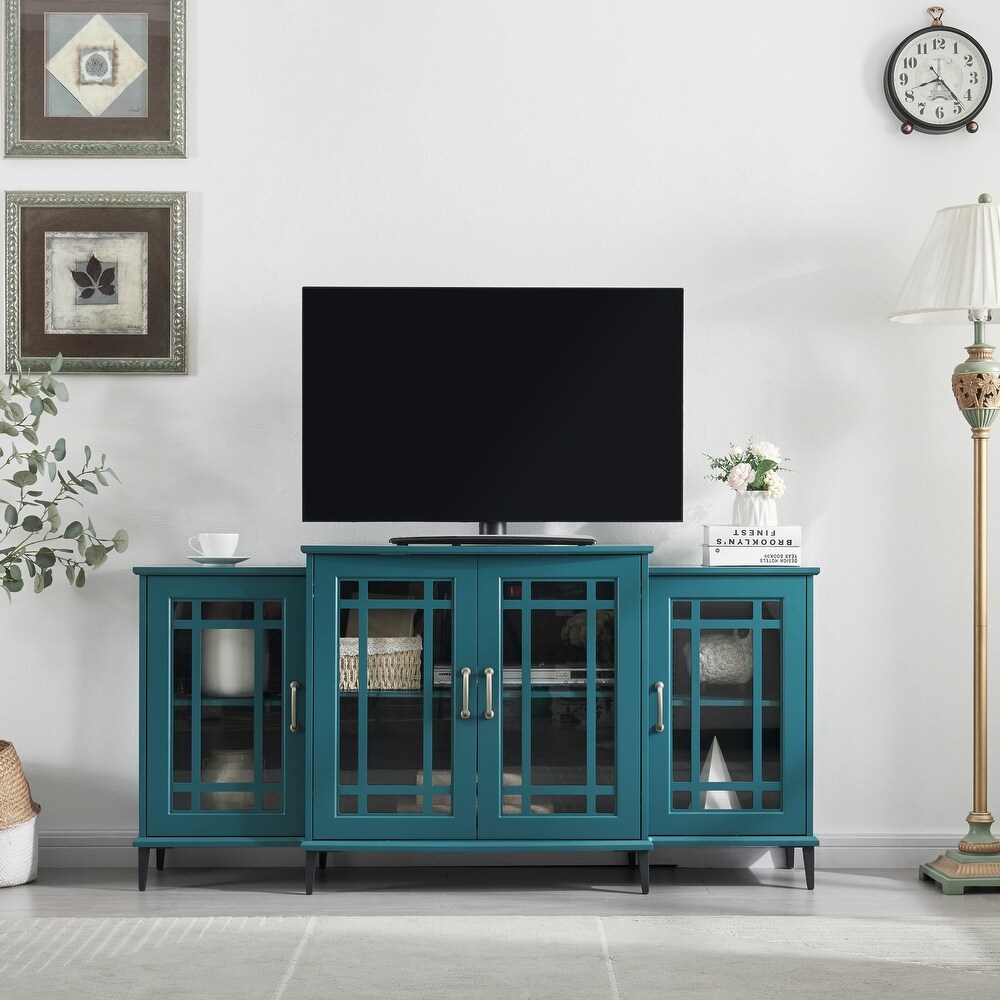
227,662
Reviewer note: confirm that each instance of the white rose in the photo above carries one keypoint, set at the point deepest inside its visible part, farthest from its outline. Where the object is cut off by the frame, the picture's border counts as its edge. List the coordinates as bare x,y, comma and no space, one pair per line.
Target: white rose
766,450
739,477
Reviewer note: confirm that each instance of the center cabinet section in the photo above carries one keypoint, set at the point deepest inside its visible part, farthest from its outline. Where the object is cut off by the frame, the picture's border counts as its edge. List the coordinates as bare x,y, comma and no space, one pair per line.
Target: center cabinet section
477,694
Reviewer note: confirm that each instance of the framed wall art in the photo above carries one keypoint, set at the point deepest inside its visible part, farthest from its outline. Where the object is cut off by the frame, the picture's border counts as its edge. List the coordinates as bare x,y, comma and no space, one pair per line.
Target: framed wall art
98,276
93,78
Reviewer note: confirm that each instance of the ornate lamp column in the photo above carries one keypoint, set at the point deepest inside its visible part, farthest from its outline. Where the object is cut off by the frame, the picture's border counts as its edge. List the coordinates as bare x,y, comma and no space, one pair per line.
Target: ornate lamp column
956,276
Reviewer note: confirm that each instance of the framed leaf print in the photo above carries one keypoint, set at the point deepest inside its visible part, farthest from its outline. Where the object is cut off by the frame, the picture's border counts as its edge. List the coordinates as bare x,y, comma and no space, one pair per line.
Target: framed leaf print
94,78
98,277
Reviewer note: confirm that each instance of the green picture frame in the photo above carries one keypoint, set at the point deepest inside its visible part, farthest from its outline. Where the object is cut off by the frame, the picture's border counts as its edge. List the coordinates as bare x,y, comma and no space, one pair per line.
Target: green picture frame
87,78
99,277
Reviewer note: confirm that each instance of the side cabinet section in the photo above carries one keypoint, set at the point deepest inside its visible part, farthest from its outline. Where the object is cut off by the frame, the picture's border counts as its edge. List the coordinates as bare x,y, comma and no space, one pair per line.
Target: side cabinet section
222,710
730,705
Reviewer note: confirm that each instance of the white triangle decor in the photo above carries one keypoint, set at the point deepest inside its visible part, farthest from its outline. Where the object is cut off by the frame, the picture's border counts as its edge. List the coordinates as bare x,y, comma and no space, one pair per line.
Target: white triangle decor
715,769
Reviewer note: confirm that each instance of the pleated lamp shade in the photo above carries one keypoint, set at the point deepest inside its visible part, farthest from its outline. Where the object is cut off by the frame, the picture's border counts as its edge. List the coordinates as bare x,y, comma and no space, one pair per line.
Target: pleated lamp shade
957,268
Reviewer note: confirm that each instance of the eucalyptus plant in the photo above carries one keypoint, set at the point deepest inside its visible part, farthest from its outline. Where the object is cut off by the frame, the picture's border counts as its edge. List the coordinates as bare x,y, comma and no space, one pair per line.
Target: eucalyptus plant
35,537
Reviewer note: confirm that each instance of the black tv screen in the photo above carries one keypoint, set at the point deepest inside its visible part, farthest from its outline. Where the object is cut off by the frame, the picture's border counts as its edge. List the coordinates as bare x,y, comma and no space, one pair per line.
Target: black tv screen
492,404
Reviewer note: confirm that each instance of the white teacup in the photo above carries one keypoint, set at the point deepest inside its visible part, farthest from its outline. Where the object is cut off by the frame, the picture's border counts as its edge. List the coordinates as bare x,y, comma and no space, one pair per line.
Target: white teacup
214,544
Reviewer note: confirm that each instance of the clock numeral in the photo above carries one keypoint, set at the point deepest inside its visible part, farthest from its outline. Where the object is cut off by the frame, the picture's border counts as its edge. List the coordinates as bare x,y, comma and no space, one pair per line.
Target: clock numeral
939,112
902,80
938,44
921,48
968,59
908,97
910,62
968,95
921,107
956,48
956,108
973,78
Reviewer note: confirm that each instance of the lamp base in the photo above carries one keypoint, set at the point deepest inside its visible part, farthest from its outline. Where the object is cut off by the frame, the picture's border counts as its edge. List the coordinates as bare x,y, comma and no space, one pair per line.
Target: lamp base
978,865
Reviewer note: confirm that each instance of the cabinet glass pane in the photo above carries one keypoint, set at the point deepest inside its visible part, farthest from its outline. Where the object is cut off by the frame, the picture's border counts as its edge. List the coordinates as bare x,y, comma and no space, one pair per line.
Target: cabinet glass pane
396,682
726,704
558,676
228,705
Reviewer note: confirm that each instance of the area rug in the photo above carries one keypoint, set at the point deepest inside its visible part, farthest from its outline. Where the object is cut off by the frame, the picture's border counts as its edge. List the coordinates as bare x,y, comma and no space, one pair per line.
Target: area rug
490,957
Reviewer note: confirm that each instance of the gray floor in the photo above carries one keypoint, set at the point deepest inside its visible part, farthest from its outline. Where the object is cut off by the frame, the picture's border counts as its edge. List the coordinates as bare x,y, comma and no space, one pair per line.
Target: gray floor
569,890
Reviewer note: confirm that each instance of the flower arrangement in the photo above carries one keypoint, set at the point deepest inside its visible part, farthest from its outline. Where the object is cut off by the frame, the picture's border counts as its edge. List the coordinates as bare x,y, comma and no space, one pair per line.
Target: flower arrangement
753,467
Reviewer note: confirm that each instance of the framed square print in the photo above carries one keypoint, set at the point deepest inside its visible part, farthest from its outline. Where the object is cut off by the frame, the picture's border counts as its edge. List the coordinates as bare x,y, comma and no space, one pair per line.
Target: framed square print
97,276
94,77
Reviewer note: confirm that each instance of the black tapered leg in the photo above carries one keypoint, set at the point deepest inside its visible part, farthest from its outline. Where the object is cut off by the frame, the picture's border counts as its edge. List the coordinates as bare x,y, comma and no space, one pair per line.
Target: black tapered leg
789,857
143,867
644,871
809,860
633,858
322,859
161,853
311,857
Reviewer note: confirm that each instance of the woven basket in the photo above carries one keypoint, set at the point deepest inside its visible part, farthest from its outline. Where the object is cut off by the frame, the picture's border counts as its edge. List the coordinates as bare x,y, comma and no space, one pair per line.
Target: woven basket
18,834
19,854
16,803
393,663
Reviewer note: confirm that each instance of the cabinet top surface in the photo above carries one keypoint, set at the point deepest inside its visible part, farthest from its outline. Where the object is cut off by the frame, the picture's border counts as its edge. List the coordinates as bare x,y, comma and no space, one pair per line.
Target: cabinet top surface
733,570
196,570
476,550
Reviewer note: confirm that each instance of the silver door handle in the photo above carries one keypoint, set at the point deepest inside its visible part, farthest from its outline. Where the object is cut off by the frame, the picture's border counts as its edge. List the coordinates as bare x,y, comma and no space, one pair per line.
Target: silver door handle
488,672
294,710
659,706
466,674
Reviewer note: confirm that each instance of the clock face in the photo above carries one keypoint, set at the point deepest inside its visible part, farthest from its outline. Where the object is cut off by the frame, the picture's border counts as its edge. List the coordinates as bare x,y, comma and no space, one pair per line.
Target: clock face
937,80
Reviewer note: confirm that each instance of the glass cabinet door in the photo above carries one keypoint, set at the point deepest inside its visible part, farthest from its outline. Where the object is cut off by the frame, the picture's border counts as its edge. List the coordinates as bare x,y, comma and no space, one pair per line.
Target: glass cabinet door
234,764
388,665
559,668
732,704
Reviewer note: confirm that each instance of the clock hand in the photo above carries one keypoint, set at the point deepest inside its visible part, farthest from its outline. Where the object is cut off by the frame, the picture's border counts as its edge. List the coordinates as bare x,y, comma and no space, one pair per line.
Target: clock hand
954,96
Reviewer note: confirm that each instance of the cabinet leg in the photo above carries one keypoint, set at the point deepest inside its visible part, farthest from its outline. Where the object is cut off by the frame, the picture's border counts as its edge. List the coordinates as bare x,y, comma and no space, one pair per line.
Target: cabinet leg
143,867
789,857
809,860
311,857
322,859
644,871
161,853
633,858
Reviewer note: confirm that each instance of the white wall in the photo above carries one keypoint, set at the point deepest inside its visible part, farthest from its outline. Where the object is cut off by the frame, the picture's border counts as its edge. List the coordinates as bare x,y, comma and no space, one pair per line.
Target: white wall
743,152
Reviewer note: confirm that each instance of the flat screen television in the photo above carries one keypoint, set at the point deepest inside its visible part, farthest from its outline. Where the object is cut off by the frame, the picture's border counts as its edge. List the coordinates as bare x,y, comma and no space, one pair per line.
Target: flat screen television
492,406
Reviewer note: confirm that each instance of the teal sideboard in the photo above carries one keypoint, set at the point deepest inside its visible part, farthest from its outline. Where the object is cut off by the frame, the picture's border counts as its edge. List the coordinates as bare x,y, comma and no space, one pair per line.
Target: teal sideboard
477,698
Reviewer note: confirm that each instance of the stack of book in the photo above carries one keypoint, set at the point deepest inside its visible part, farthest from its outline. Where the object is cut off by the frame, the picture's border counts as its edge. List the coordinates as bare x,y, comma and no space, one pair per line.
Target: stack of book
743,545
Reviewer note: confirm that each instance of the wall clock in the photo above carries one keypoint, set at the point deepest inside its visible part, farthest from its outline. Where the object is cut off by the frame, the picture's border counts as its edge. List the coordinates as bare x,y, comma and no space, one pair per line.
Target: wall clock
937,79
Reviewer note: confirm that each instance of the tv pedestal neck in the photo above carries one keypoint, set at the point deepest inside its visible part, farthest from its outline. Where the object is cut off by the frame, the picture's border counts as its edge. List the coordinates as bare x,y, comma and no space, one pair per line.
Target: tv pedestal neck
492,533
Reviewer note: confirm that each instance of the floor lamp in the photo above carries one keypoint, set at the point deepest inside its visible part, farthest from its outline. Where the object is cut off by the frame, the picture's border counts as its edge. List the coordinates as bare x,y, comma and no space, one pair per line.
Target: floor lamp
956,279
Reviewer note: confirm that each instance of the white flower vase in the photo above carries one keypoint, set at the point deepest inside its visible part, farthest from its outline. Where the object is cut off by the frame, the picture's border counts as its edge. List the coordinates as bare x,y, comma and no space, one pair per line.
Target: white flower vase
755,508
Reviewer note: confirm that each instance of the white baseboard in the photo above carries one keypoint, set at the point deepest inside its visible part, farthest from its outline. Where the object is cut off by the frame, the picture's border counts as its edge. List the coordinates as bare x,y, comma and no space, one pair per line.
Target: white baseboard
113,849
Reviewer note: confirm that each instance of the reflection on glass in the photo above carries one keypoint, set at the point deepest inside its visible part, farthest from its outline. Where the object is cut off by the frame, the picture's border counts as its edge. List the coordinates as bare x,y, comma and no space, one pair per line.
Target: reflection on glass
733,610
226,610
181,662
181,770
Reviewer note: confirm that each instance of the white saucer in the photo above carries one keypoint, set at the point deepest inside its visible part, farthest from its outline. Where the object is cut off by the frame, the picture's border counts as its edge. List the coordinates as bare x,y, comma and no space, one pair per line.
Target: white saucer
218,560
